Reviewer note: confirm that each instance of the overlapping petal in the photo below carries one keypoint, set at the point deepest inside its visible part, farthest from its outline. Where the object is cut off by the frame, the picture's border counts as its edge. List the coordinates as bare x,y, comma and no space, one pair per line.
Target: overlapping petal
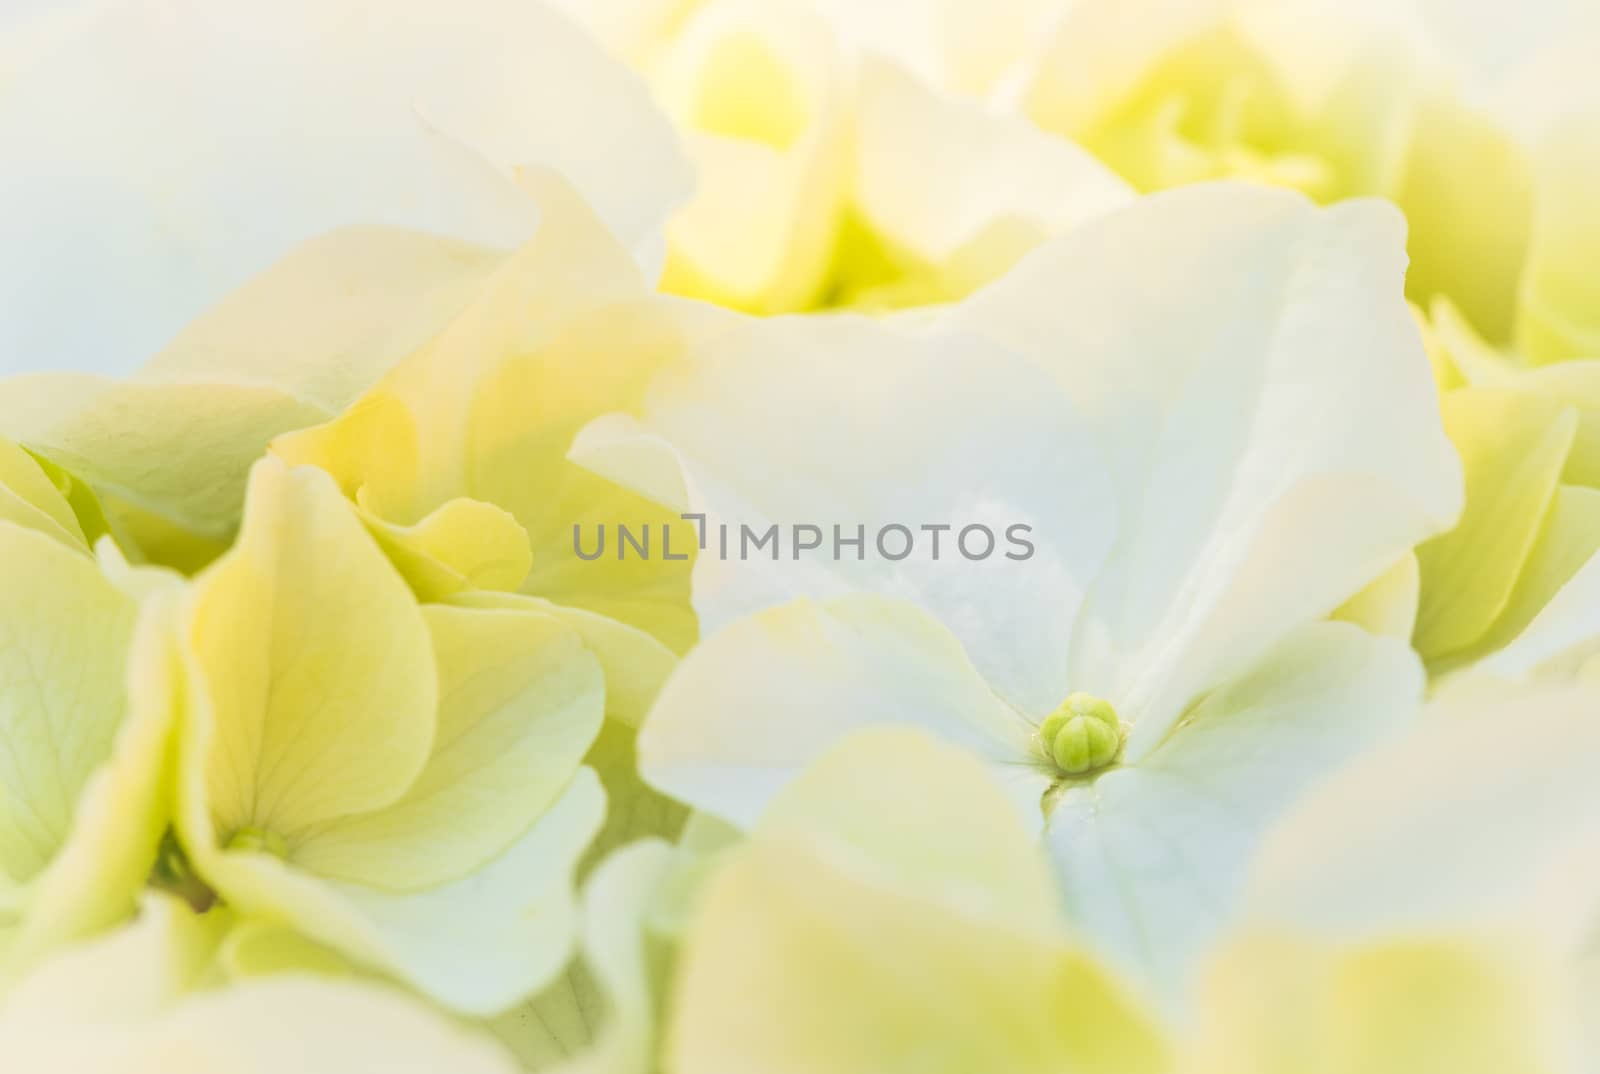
170,154
398,783
815,928
85,723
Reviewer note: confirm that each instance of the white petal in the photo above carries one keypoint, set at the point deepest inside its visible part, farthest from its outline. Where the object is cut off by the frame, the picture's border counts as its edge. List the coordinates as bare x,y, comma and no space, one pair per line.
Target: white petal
1226,412
168,152
1153,856
750,708
845,422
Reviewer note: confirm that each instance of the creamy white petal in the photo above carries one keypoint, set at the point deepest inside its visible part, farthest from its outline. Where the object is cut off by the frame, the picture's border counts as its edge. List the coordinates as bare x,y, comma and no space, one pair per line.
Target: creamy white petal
844,424
1481,817
1152,857
1273,435
753,705
166,153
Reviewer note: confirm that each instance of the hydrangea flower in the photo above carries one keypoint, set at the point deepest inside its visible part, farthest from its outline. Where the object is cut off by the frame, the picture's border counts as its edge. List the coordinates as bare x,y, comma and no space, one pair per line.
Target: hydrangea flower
1196,505
400,783
832,173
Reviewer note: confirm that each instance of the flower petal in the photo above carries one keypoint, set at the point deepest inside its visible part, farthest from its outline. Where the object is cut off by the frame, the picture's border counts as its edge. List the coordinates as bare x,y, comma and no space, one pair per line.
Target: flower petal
611,1004
1152,857
179,451
1001,187
834,971
67,632
316,661
520,701
753,705
1513,447
935,433
28,498
194,162
1277,1003
476,946
1471,821
324,322
1224,414
122,810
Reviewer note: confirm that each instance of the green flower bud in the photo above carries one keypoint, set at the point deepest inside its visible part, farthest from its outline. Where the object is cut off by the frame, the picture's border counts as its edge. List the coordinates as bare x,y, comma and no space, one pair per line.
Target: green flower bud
1083,735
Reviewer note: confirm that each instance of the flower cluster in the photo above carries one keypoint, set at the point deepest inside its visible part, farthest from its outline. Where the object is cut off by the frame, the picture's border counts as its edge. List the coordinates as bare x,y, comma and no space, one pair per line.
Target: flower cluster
1104,516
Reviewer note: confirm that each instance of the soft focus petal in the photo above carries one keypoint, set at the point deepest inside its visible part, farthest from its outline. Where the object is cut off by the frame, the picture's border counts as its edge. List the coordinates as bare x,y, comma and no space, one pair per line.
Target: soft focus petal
838,969
144,1000
1387,607
1463,823
85,721
563,331
922,432
463,544
1152,857
1468,1005
758,89
947,197
179,451
602,1018
520,700
331,317
168,155
1560,298
315,661
756,703
115,983
123,809
1225,414
477,945
1513,448
28,498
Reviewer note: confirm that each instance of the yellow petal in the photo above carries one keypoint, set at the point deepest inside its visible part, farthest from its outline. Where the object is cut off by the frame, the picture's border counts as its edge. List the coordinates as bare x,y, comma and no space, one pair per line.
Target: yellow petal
563,332
66,637
1560,298
181,451
1277,1004
30,499
85,719
123,810
1388,605
1467,195
316,663
1513,447
464,544
520,701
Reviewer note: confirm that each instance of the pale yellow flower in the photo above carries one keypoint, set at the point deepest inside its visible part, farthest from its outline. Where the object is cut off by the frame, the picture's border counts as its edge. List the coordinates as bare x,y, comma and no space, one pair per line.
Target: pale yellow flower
834,172
400,783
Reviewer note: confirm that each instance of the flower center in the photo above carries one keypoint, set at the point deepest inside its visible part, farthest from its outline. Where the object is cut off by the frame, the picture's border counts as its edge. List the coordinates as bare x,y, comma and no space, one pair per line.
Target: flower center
1083,735
260,841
